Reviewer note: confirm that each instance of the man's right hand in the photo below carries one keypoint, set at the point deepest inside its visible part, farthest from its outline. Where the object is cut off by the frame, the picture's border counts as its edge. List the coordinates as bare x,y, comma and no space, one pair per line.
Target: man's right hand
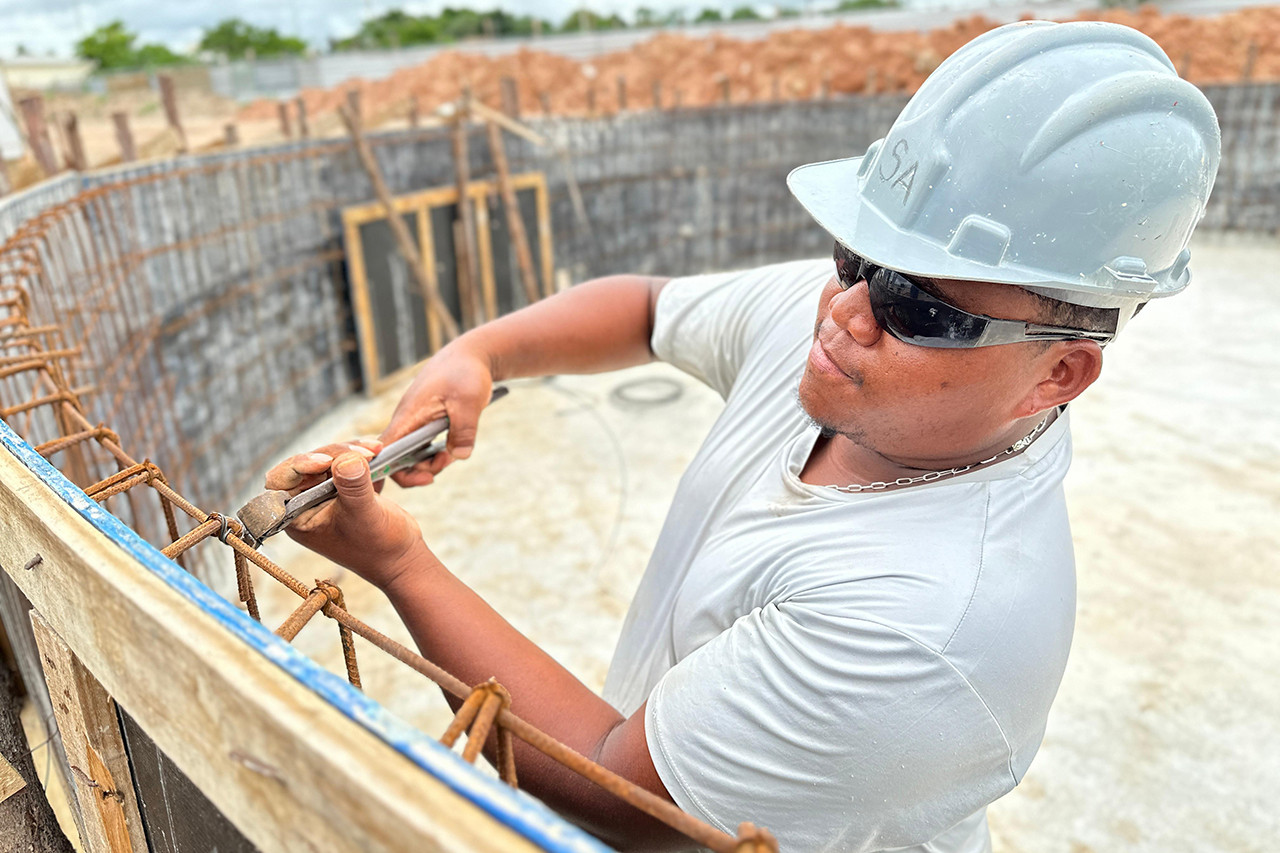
455,382
604,324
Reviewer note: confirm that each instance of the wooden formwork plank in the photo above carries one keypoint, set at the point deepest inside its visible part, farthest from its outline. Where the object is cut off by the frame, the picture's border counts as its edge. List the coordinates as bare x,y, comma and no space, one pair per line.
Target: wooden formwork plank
426,244
108,816
484,252
421,204
291,770
464,250
360,302
10,781
359,214
409,250
544,235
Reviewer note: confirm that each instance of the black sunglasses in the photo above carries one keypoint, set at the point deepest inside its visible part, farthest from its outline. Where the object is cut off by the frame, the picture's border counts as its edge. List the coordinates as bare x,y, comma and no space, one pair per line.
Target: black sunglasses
912,315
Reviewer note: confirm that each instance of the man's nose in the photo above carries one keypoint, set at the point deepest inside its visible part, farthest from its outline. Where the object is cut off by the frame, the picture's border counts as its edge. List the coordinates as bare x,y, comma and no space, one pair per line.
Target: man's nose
851,311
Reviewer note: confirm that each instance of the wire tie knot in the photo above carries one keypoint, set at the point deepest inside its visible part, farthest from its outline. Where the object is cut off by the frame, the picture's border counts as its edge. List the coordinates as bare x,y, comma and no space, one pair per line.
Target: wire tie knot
224,525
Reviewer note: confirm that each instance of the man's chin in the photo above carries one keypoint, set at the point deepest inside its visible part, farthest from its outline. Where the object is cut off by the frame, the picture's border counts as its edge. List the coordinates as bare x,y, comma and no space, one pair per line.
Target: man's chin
817,418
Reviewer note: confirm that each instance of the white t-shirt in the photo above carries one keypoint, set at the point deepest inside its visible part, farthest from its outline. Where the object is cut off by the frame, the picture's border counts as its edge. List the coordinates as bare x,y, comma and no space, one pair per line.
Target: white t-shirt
854,671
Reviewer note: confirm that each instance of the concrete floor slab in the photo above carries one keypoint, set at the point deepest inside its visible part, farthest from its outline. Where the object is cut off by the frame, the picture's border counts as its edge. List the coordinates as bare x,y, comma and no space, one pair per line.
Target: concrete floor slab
1166,732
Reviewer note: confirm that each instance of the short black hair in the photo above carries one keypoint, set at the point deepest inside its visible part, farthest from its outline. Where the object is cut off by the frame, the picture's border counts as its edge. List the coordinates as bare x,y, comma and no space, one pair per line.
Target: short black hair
1054,312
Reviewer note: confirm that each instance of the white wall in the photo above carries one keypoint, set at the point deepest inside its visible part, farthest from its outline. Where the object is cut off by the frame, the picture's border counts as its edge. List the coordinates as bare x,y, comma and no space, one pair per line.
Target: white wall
11,146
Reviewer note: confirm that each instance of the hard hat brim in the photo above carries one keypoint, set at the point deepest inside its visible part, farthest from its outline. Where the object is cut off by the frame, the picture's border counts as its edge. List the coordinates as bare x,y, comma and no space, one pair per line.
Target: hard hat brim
828,191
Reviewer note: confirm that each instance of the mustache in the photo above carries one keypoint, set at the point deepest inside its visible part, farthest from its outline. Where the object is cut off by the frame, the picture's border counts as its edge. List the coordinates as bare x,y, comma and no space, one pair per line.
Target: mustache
853,373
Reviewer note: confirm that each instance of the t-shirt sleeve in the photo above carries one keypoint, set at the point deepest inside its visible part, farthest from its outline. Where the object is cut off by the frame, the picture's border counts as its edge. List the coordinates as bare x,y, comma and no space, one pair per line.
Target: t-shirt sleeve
707,325
834,732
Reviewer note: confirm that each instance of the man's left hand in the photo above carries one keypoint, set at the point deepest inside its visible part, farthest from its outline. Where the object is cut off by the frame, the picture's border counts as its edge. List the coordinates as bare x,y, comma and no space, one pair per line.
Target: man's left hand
371,535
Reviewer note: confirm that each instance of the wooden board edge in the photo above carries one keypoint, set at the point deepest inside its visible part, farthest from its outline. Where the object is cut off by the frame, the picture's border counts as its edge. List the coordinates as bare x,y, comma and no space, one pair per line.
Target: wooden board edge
361,214
544,236
484,247
279,755
109,819
427,250
361,304
11,782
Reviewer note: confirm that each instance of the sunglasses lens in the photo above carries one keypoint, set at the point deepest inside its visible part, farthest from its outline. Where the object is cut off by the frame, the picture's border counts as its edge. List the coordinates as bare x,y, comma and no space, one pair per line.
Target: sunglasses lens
848,267
913,316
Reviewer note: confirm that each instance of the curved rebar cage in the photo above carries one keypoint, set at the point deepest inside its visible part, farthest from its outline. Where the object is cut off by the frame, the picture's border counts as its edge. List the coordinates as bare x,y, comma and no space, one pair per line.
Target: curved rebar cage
79,338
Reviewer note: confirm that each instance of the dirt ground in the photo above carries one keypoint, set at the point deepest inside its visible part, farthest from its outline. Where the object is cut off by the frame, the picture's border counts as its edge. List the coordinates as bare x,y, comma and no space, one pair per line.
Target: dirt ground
1164,734
786,64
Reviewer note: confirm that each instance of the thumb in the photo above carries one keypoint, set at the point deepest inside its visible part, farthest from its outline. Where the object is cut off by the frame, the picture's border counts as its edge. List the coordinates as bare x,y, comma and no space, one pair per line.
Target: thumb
354,486
464,418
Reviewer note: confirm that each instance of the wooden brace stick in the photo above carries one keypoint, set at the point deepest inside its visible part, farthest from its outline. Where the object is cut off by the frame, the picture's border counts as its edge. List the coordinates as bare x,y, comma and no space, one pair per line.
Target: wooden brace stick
401,232
515,225
508,123
464,238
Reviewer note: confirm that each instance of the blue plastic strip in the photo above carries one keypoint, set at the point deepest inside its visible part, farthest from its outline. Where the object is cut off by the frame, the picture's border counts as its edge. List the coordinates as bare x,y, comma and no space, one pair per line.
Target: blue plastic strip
516,809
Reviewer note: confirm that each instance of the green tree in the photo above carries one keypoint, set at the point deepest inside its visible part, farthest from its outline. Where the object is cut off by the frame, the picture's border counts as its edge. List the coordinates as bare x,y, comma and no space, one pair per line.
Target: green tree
708,15
514,25
647,17
456,24
745,13
392,29
863,5
235,39
152,55
400,29
111,46
586,19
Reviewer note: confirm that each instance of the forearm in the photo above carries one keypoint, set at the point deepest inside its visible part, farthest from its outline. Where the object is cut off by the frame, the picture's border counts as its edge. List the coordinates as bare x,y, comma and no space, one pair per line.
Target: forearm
599,325
458,630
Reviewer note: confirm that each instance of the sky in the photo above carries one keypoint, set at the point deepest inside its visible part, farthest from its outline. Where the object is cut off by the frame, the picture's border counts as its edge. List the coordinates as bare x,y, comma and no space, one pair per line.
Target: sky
56,25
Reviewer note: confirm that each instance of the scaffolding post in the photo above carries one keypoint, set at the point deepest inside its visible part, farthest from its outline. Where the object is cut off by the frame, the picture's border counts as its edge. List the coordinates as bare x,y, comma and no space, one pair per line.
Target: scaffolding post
124,137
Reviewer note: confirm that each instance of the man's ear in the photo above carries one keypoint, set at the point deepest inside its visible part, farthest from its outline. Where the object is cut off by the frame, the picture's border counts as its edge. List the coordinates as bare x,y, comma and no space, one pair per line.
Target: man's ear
1066,369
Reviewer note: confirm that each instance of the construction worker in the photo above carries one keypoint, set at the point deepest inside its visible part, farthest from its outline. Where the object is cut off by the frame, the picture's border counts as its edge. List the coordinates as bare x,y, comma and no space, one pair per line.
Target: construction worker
859,609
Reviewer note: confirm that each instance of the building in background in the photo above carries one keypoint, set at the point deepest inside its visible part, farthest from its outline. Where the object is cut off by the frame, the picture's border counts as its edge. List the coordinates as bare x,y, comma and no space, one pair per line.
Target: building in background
11,147
44,72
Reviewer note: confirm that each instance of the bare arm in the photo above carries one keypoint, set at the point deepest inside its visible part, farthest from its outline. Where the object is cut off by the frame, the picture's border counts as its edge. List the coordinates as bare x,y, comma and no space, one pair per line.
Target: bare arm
599,325
604,324
455,628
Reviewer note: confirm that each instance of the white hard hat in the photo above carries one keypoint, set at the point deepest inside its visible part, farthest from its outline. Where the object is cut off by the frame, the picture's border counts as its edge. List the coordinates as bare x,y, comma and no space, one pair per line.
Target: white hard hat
1067,158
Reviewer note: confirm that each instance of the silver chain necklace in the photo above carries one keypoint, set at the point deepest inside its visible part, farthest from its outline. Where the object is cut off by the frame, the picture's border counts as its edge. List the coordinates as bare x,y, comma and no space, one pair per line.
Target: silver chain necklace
1012,450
